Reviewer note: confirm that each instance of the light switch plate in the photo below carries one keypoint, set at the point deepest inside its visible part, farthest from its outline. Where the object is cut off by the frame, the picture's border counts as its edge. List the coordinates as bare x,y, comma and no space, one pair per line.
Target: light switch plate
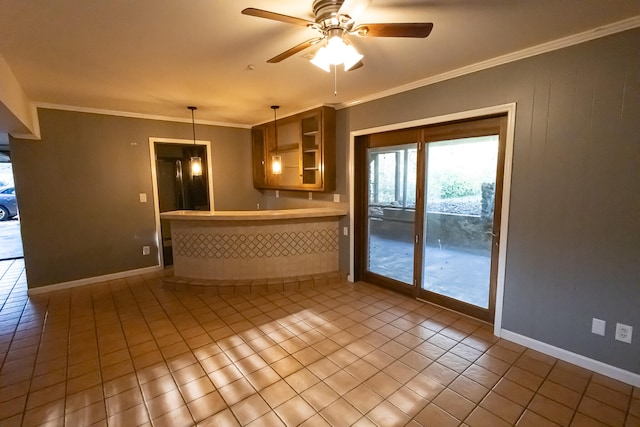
598,326
143,197
336,198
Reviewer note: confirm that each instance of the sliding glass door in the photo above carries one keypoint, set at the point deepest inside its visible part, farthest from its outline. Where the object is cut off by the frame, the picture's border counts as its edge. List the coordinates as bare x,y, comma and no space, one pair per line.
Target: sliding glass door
391,211
386,187
432,212
458,231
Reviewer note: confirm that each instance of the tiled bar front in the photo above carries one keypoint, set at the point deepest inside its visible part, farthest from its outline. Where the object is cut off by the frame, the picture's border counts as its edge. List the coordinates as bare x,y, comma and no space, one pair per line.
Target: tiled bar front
261,246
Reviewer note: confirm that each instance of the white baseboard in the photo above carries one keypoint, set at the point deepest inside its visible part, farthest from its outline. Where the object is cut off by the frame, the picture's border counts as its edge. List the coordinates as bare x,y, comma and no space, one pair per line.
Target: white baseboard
92,280
577,359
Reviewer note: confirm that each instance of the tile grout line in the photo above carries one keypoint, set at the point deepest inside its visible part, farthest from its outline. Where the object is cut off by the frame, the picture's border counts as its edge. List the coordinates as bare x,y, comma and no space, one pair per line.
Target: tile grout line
165,360
536,392
628,412
24,307
138,379
95,321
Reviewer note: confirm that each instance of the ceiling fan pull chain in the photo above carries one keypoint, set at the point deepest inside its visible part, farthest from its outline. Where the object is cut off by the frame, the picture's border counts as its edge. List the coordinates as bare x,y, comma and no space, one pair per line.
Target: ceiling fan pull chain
335,80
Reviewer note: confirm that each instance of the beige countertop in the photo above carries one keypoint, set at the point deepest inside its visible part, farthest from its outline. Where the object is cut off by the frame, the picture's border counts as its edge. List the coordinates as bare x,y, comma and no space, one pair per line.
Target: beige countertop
253,215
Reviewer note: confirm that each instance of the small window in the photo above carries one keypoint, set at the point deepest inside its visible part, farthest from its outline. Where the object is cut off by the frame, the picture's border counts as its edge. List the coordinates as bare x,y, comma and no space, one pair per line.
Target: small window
392,175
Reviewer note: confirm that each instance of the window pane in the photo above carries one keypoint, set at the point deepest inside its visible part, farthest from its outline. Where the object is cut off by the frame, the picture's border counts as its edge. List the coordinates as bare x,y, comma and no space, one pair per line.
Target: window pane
460,189
392,183
386,191
412,173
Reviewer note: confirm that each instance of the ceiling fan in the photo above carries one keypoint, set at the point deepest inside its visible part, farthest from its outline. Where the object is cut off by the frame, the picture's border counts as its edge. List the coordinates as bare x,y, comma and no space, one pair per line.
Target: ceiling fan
334,20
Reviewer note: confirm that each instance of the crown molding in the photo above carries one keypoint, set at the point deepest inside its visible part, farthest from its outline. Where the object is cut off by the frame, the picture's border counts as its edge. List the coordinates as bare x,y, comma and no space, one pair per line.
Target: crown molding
592,34
299,111
106,112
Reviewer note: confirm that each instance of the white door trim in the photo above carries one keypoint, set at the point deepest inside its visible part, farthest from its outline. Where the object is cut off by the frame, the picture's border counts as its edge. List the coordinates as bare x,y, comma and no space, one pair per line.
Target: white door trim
510,110
154,182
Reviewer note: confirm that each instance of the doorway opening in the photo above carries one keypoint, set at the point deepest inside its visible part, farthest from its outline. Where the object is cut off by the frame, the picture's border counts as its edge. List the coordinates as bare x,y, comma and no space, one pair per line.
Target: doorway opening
429,212
10,237
176,187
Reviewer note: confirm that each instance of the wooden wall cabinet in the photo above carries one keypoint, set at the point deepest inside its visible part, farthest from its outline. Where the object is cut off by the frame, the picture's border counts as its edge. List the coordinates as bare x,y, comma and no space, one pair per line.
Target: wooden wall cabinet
306,145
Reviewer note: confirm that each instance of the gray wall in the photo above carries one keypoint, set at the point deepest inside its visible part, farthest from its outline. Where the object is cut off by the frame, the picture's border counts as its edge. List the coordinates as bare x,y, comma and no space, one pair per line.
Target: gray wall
574,227
78,191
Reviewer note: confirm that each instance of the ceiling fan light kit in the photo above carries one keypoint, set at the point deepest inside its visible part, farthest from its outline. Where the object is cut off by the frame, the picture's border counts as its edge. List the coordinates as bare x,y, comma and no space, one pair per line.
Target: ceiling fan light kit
336,52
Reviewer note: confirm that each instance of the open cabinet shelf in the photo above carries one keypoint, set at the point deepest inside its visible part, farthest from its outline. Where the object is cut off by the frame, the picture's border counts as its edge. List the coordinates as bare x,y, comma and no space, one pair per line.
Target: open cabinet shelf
306,147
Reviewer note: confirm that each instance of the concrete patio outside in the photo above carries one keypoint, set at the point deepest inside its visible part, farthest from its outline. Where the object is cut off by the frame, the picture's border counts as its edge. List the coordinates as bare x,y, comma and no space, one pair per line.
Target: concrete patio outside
453,272
10,239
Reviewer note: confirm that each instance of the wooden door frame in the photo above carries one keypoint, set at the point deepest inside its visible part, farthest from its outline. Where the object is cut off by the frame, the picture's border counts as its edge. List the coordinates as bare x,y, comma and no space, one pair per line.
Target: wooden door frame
510,111
361,211
476,127
154,181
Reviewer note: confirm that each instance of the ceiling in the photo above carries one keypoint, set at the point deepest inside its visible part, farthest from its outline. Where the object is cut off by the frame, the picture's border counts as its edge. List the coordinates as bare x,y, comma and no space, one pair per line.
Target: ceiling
156,57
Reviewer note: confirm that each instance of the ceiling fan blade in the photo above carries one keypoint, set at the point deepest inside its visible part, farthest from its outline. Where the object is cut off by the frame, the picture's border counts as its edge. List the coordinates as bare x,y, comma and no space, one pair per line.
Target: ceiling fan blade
353,8
413,30
359,64
287,53
251,11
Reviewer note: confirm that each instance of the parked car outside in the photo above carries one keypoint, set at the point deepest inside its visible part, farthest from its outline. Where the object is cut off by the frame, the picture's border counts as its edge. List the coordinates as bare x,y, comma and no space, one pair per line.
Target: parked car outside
8,204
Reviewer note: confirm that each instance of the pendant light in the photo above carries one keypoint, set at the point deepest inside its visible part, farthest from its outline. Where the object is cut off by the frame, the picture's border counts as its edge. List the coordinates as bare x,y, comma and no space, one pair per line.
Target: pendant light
196,161
276,159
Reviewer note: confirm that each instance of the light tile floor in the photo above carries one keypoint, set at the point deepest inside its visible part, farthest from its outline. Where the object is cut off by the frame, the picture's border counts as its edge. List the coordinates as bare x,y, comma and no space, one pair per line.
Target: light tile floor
129,352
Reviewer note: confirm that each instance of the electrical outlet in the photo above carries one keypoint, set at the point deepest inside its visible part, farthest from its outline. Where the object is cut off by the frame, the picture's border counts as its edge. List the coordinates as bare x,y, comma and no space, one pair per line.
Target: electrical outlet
345,231
598,326
624,332
336,198
310,195
146,250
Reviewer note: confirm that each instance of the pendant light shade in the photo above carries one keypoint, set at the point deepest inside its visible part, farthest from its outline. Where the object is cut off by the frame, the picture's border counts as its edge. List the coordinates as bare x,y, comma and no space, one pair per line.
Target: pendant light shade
196,166
276,159
276,165
196,161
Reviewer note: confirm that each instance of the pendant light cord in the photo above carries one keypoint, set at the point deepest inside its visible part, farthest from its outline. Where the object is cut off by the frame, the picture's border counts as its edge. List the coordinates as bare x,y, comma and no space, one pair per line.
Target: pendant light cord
275,124
193,123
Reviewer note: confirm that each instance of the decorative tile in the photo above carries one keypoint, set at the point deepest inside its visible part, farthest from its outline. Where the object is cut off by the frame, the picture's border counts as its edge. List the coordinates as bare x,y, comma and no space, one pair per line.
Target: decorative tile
267,245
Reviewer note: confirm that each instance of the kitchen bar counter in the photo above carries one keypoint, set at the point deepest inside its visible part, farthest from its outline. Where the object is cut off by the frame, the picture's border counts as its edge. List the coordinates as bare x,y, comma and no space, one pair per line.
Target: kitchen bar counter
253,215
267,244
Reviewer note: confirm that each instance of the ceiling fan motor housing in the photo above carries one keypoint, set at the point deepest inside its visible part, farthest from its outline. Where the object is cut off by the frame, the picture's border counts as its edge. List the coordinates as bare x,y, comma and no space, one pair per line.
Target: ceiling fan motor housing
325,10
